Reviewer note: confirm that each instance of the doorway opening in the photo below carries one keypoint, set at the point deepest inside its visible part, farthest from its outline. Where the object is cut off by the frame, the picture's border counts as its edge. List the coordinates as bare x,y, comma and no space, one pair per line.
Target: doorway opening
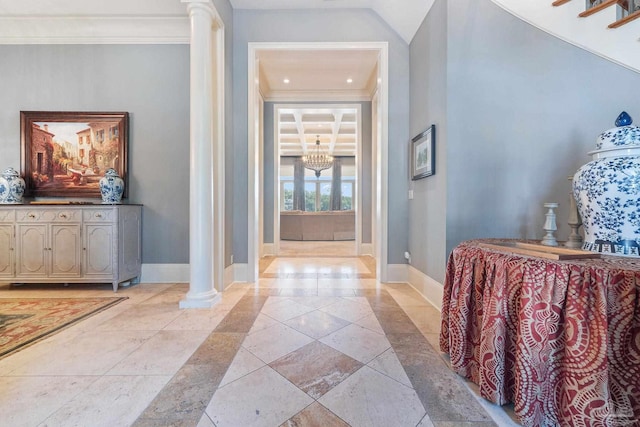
320,212
259,97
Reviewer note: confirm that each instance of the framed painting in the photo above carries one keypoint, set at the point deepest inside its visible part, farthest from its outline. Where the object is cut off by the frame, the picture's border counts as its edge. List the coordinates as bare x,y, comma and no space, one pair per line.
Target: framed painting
65,154
423,155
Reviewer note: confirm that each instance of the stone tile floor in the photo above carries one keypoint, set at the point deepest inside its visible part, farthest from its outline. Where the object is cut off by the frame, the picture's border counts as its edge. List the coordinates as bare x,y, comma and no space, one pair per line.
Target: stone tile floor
316,342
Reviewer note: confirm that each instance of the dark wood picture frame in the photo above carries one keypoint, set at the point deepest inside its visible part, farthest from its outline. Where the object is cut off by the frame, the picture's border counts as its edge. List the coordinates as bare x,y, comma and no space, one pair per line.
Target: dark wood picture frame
64,153
423,154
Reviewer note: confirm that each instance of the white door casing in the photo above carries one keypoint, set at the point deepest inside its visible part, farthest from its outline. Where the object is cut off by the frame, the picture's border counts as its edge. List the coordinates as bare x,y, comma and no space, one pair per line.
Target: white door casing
380,148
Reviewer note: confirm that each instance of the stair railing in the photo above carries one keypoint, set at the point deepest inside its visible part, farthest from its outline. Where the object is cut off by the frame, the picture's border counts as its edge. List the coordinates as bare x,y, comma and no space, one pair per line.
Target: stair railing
627,10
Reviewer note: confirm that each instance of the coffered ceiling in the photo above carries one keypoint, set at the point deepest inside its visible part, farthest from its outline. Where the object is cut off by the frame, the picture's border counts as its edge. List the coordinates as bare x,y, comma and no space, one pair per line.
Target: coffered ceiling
335,127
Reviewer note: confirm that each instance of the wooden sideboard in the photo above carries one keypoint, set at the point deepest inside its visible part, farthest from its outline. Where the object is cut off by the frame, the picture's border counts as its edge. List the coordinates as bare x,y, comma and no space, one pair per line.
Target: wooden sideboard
70,243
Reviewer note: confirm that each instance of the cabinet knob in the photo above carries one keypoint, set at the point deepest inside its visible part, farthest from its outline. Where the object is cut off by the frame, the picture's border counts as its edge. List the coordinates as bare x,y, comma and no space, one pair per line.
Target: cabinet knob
98,215
31,215
62,215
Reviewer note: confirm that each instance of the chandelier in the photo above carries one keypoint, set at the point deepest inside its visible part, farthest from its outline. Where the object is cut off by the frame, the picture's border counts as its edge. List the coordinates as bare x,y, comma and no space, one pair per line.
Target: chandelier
319,161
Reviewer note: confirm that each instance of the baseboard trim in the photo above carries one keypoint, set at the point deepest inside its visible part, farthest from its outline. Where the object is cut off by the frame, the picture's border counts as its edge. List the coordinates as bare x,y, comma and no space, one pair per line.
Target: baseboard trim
366,249
397,273
430,288
240,272
180,273
165,273
229,276
268,249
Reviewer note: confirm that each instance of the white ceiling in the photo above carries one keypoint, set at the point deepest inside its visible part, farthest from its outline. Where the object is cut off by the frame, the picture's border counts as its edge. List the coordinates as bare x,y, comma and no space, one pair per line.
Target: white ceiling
317,74
92,8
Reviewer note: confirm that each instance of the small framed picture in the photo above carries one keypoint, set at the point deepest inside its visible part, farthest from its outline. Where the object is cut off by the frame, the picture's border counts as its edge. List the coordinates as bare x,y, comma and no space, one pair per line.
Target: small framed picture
423,154
65,154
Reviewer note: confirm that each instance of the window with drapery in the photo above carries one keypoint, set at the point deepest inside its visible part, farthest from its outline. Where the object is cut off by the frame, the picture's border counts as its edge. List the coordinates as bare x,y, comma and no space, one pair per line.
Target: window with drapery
300,190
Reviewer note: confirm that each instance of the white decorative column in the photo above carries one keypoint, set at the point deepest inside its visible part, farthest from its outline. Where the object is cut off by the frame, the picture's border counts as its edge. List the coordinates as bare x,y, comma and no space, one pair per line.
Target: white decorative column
203,134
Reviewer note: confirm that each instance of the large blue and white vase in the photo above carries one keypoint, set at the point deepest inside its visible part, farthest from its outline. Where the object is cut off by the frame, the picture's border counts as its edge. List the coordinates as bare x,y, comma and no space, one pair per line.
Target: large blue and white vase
11,187
111,187
607,192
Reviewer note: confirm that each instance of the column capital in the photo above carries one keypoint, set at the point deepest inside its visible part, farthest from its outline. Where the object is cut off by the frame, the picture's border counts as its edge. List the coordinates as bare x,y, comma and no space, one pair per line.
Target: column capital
199,6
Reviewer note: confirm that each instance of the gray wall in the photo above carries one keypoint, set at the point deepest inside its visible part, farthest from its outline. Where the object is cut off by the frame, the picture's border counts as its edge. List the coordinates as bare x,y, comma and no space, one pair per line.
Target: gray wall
324,26
269,174
523,109
427,210
520,111
152,84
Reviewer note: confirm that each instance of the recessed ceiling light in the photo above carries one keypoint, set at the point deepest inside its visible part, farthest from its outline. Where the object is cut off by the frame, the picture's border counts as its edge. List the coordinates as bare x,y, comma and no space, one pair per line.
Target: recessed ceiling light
349,80
285,81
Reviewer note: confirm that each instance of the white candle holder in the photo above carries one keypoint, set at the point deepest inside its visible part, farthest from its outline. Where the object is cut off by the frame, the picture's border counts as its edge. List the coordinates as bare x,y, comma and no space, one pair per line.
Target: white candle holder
550,225
575,239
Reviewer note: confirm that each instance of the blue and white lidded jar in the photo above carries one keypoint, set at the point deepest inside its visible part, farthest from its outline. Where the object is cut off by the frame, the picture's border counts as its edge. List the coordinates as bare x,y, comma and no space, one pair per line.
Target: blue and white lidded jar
607,192
11,187
111,187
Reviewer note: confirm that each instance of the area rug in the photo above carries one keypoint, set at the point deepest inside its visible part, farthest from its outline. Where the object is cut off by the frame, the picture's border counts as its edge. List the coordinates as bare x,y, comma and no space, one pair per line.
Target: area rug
24,321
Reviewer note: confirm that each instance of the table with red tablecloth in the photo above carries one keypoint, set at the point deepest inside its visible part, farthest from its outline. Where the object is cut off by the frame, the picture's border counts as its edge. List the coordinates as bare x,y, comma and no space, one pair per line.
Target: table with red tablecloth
559,339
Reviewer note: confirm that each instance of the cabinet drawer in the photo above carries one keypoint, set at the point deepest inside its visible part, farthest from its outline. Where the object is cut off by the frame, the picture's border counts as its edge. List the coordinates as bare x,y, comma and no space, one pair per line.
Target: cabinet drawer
7,215
98,215
50,215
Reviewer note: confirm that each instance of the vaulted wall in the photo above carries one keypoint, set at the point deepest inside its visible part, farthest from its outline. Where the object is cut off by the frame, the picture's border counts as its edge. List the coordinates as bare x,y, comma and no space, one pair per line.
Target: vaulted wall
522,110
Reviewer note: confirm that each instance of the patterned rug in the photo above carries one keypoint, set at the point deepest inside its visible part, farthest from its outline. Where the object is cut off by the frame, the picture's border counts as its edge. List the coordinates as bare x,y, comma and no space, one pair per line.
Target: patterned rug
24,321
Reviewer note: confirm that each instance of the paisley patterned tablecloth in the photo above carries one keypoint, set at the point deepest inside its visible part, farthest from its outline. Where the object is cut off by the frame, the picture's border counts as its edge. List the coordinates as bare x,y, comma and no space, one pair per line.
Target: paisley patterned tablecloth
559,339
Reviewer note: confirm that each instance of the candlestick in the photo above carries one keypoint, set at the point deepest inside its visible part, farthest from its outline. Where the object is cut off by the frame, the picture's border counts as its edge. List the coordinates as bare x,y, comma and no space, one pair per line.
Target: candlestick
550,225
575,239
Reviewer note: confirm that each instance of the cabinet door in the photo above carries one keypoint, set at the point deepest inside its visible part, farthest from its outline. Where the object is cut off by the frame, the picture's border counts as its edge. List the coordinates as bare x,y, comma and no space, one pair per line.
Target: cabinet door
98,250
7,264
65,250
32,254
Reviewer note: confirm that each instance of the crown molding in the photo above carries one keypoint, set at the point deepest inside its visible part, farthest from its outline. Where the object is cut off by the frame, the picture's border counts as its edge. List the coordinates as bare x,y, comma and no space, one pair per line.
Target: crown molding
94,30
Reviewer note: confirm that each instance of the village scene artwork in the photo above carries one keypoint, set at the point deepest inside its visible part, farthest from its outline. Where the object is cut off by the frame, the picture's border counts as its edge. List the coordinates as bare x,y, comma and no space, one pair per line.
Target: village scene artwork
71,157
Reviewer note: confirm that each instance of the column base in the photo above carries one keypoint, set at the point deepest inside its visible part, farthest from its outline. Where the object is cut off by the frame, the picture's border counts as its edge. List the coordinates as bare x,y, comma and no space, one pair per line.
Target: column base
204,300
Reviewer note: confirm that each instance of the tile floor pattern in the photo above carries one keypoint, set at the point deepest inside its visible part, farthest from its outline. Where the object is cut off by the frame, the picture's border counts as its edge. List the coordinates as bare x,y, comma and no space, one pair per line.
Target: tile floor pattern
317,342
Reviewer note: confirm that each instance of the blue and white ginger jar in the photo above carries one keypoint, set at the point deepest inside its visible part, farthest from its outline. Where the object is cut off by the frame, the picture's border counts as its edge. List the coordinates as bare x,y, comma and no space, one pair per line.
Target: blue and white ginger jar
11,187
111,187
607,192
